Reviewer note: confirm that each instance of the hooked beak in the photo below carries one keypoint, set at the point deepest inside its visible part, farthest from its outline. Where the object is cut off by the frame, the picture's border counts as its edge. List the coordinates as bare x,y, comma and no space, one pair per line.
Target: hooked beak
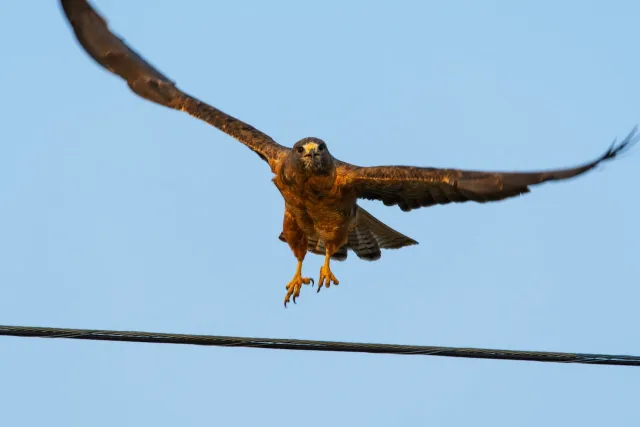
311,150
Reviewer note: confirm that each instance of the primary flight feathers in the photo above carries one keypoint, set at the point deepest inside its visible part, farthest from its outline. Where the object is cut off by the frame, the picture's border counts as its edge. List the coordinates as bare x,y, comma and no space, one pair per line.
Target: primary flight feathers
407,186
320,191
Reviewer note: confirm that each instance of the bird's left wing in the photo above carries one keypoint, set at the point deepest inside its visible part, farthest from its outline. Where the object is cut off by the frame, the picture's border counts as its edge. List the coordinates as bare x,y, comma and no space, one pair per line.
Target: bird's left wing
415,187
113,54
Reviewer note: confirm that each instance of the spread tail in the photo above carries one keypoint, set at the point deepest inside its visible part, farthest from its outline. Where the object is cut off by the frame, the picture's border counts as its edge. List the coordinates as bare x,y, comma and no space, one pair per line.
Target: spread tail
370,236
366,239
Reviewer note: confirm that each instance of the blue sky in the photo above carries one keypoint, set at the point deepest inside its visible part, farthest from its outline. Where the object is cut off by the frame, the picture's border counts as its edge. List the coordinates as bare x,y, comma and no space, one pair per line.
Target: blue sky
120,214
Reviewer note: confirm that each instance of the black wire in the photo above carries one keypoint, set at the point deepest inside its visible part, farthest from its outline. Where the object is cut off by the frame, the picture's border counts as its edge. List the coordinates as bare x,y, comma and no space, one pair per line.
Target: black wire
291,344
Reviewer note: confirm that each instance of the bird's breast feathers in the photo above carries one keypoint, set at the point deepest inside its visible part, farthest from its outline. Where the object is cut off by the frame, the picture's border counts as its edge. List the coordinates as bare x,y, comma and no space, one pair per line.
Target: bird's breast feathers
316,199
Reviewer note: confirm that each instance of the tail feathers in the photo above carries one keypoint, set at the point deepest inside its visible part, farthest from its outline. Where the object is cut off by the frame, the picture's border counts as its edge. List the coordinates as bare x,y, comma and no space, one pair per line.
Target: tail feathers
370,235
366,239
364,243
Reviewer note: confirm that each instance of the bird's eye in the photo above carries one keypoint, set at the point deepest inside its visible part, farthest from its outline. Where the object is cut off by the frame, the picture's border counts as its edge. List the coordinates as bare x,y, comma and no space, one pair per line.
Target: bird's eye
300,150
321,147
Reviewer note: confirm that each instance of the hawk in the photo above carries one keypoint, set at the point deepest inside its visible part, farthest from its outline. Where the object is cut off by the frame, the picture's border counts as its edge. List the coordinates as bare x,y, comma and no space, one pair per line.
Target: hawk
321,213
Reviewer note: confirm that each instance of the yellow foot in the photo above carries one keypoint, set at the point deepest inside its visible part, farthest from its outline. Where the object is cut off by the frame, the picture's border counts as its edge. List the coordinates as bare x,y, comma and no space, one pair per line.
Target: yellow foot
293,288
326,277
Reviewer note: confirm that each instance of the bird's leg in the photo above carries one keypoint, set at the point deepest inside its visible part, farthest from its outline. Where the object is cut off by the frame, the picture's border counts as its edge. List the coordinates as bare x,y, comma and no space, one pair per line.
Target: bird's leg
326,276
293,288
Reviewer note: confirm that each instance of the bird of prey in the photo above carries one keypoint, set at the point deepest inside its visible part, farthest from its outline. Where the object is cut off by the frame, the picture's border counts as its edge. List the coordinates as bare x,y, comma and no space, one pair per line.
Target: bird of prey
320,192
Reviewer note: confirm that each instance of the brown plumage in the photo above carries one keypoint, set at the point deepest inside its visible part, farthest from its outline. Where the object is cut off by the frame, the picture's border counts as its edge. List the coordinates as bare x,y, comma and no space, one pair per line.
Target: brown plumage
365,239
320,192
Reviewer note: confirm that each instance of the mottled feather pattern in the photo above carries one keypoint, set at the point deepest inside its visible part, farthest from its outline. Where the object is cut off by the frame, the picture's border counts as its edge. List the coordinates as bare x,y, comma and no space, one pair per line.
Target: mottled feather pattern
412,187
112,53
320,192
366,239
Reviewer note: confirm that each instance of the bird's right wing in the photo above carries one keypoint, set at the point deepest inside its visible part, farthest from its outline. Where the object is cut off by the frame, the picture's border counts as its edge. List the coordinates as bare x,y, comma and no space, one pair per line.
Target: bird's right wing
112,53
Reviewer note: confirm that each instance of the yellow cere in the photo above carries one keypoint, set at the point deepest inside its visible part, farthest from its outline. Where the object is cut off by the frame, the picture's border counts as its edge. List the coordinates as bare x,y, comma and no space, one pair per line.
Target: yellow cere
309,146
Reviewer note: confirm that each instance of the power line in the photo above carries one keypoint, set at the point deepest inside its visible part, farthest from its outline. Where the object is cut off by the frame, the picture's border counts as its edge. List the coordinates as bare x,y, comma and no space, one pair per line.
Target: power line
293,344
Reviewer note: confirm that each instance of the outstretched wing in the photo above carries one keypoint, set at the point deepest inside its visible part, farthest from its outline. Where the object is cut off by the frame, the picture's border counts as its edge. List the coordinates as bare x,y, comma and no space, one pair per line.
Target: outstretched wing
415,187
113,54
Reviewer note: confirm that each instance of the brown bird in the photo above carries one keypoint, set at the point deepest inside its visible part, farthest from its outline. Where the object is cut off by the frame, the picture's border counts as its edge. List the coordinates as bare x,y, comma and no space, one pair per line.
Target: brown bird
320,192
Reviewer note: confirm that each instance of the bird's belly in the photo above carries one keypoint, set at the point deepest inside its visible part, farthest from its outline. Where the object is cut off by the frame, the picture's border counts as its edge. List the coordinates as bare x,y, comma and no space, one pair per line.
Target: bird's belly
325,215
325,221
321,209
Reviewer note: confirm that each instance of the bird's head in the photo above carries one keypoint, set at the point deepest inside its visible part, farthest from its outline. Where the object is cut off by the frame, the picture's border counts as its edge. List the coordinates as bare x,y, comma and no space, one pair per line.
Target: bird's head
312,156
